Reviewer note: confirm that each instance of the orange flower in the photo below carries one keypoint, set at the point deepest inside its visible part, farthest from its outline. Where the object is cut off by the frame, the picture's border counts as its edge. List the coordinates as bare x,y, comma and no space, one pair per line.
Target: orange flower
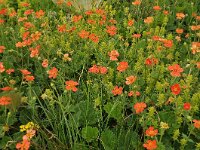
168,43
196,123
24,145
130,23
76,18
34,51
130,80
137,35
45,63
71,85
6,88
29,134
5,100
28,12
111,30
180,15
151,132
150,144
13,13
94,69
25,72
3,11
36,36
113,55
24,4
148,20
139,107
151,61
88,12
69,3
157,8
94,38
2,69
195,47
9,71
122,66
179,31
2,48
53,73
83,34
198,65
175,70
39,14
2,21
132,93
61,28
136,2
103,70
165,12
98,69
187,106
90,21
29,78
117,90
176,89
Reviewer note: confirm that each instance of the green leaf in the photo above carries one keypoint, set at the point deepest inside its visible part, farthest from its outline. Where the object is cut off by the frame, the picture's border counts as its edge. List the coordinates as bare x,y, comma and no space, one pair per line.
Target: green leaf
4,141
108,140
89,133
114,110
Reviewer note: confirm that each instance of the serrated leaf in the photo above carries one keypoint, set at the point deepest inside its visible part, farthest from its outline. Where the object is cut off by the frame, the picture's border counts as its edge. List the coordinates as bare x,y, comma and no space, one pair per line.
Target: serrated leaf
89,133
108,140
114,110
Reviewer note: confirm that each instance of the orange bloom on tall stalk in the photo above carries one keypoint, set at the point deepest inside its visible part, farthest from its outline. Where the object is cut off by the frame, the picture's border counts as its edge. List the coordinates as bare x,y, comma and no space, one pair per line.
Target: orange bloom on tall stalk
151,132
61,28
69,3
29,78
113,55
111,30
2,68
136,2
5,100
39,14
195,47
139,107
6,88
167,43
117,90
130,80
76,18
83,34
179,30
102,70
157,8
150,144
136,35
180,15
196,123
24,145
45,63
187,106
122,66
25,72
148,20
176,89
94,69
71,85
175,70
2,48
34,51
130,23
198,65
53,73
94,38
29,134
